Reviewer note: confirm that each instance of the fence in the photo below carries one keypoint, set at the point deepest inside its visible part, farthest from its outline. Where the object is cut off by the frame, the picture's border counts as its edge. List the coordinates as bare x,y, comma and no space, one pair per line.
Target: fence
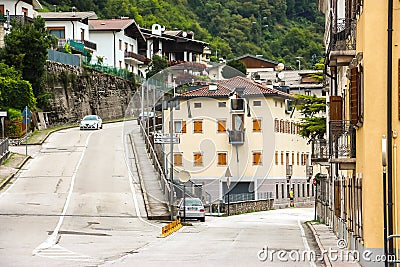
63,58
122,73
4,149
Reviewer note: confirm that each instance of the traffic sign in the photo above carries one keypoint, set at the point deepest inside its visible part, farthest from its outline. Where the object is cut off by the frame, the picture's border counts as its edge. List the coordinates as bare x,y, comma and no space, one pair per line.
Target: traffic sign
26,112
160,138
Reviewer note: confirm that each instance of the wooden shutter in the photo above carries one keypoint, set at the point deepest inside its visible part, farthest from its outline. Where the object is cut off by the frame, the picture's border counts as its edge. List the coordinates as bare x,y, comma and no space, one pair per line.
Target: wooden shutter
198,160
256,158
335,108
221,126
178,159
183,126
353,96
398,84
276,158
256,125
222,158
198,126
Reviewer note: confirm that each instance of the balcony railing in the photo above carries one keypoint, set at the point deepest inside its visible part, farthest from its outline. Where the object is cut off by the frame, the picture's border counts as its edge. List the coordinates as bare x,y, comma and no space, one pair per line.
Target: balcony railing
343,34
78,45
136,57
236,137
342,139
319,150
289,170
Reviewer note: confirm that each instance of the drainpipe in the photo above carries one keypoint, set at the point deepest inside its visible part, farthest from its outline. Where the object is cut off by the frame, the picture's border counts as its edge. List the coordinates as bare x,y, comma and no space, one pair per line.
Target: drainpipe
15,7
389,125
114,51
73,30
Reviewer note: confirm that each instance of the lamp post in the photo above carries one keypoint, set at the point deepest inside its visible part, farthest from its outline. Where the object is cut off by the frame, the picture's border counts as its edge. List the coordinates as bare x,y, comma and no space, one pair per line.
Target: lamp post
298,61
228,176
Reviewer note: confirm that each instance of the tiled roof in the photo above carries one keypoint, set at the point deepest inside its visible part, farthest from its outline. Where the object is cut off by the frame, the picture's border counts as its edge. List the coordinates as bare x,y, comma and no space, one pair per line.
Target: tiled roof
67,15
224,88
110,24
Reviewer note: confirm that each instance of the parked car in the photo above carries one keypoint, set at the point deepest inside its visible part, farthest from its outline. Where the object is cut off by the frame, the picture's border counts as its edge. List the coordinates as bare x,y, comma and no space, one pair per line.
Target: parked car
144,116
91,122
194,209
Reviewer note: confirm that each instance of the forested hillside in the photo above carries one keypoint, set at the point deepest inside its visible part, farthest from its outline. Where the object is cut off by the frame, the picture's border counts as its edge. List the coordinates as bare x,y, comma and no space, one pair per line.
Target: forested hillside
280,30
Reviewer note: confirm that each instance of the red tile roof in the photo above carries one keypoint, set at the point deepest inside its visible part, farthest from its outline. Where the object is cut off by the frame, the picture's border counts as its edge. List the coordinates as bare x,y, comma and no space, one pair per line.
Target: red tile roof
224,88
110,24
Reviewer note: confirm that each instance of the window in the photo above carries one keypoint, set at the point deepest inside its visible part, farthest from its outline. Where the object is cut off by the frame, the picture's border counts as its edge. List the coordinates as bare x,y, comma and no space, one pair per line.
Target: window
222,158
257,103
198,126
257,125
180,126
2,9
120,45
221,104
276,158
131,46
283,190
356,95
221,126
282,128
303,189
276,125
58,32
120,64
292,158
197,159
237,104
126,46
178,159
257,158
24,11
197,105
298,190
237,122
298,158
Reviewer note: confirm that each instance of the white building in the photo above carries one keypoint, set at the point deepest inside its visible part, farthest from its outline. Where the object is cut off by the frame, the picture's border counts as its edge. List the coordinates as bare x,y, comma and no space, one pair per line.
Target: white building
244,129
25,8
118,43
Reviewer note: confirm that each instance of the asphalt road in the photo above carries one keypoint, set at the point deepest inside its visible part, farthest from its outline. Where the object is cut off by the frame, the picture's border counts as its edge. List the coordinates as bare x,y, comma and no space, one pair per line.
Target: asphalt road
77,203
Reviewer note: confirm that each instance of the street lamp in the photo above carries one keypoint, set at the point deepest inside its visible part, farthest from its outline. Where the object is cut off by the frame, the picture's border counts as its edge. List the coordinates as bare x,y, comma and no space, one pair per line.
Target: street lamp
228,176
298,61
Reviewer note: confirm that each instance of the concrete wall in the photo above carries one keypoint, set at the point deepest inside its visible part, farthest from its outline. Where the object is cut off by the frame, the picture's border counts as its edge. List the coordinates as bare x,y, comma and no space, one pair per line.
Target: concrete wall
77,91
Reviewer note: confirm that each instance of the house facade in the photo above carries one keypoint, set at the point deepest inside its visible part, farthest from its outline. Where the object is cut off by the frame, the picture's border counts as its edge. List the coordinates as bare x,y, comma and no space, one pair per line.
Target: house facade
362,185
71,28
244,131
24,8
118,43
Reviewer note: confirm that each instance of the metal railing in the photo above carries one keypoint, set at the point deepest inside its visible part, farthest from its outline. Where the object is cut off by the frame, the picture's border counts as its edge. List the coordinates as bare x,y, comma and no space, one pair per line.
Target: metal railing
343,34
4,149
238,197
122,73
236,137
319,150
342,139
136,56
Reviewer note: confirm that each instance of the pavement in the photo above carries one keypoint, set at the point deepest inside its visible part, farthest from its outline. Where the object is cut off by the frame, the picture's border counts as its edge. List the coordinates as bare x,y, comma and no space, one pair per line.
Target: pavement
324,236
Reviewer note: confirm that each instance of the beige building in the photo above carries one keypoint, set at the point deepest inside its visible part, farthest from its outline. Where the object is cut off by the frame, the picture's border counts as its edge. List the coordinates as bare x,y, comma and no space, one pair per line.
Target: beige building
241,129
363,63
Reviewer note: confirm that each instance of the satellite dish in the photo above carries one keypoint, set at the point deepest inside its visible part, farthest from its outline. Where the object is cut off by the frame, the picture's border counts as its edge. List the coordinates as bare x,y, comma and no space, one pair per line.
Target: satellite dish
183,176
184,34
281,75
280,67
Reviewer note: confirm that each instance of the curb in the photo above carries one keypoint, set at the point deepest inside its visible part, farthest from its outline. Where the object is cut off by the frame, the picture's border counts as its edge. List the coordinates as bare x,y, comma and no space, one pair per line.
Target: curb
144,193
8,178
320,246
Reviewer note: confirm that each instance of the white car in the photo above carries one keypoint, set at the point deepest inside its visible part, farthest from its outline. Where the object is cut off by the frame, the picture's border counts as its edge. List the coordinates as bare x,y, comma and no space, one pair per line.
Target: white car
91,122
194,209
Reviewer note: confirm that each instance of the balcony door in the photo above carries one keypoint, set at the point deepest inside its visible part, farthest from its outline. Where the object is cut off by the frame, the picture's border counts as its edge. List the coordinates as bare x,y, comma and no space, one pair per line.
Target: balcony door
237,122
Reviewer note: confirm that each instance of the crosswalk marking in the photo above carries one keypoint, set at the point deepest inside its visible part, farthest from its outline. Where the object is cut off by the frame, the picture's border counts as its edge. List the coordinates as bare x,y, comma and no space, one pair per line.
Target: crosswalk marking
58,252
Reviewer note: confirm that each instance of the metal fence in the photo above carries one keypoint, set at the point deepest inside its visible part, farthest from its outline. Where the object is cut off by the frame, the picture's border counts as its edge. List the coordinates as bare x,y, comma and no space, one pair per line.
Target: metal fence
122,73
4,149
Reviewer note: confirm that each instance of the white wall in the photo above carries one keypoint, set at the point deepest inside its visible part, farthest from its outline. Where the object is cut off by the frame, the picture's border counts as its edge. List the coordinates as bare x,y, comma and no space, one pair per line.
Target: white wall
10,5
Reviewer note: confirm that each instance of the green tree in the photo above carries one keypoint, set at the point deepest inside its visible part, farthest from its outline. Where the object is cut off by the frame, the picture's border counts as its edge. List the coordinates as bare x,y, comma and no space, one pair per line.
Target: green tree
237,64
313,123
157,64
26,50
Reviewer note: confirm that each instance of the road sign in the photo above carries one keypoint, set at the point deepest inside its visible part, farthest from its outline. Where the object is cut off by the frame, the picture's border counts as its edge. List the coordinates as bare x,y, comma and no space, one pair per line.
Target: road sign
160,138
26,112
3,113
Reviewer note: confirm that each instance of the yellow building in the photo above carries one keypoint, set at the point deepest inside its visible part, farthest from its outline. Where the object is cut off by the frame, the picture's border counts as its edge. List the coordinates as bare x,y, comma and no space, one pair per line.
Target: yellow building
363,64
245,131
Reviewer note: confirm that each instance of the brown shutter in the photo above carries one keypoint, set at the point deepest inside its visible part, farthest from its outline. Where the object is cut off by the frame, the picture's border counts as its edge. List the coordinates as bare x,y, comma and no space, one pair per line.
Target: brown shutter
398,84
335,108
183,126
353,96
177,159
198,126
222,159
221,126
256,125
256,158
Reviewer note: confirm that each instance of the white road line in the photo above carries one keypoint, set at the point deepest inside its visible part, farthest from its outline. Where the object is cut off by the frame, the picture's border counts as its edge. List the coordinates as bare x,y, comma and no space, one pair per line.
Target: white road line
58,252
52,239
305,242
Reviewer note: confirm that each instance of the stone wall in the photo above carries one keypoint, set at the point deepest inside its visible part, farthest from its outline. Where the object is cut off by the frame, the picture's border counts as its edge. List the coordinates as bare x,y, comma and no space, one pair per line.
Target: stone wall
78,91
243,207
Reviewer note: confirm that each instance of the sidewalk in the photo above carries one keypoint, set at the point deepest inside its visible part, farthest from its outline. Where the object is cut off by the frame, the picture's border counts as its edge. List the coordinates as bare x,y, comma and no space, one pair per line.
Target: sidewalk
10,167
327,241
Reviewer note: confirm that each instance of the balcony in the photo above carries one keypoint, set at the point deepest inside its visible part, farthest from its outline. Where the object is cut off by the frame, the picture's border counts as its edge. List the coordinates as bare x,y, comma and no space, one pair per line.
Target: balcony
342,136
236,137
342,43
78,45
135,58
319,151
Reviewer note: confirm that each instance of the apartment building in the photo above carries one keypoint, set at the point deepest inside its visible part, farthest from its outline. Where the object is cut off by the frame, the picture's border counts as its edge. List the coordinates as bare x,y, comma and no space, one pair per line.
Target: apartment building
360,201
239,130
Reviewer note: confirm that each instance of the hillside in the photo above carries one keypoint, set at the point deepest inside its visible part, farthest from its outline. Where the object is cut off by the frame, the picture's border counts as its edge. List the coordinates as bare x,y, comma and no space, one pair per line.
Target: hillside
279,30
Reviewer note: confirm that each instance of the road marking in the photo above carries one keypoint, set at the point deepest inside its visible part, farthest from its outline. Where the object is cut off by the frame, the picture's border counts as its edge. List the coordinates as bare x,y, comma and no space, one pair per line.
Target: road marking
305,243
52,239
58,252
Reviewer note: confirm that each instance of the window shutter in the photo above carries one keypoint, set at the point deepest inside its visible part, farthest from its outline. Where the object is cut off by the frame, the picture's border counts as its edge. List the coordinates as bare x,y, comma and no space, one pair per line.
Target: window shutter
177,159
335,108
198,126
256,158
353,96
183,126
256,125
221,158
198,161
221,126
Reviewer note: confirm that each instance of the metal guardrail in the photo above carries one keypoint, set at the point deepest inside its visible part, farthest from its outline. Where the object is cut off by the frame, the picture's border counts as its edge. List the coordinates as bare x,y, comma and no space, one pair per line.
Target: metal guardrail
342,139
319,150
238,197
4,149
